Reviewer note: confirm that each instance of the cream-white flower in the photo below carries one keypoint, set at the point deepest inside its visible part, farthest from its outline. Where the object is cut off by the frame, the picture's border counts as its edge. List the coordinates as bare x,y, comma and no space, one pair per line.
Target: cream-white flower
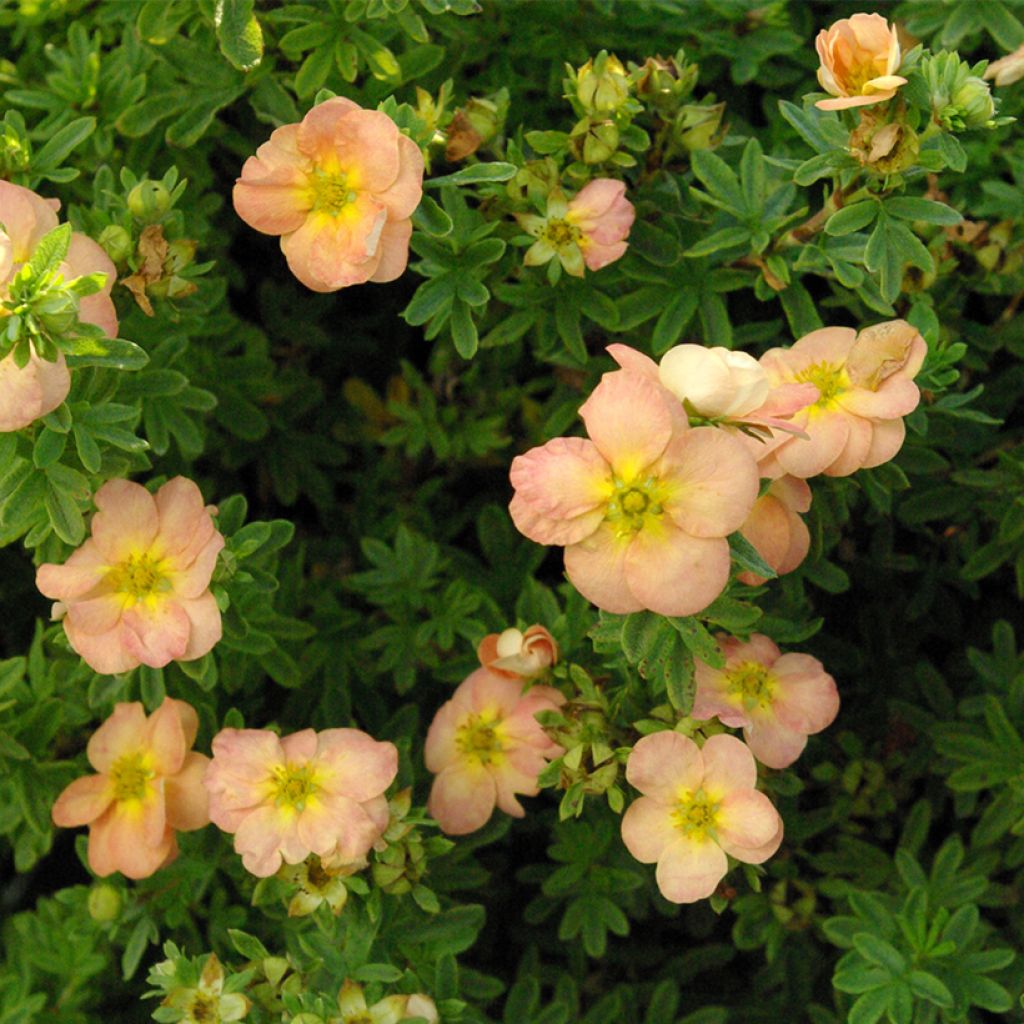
715,381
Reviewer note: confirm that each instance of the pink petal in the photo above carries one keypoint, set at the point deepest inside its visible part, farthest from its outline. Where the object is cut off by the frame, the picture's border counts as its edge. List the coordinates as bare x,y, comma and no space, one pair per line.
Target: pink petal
117,843
105,653
773,744
275,202
485,692
785,400
318,131
647,829
672,573
746,820
76,577
358,766
300,747
826,345
728,766
83,801
124,732
887,439
846,102
544,529
21,394
759,854
629,420
854,451
127,521
165,738
327,253
664,764
156,635
393,251
259,839
462,798
188,804
95,615
636,362
193,580
597,255
806,702
440,749
185,524
404,195
689,871
205,627
596,567
564,479
87,257
829,432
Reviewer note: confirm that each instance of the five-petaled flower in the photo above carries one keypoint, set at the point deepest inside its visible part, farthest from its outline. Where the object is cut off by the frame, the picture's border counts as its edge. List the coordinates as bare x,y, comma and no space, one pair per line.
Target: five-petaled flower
859,57
644,506
36,389
137,592
208,1003
590,229
148,786
287,797
485,746
778,699
339,188
698,805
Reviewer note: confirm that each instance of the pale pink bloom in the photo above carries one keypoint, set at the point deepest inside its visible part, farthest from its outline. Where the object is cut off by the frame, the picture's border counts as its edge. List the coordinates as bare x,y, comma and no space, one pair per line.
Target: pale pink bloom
149,786
866,385
285,797
590,229
721,383
485,746
1008,69
339,188
644,507
698,805
518,655
775,528
29,393
137,592
778,699
859,57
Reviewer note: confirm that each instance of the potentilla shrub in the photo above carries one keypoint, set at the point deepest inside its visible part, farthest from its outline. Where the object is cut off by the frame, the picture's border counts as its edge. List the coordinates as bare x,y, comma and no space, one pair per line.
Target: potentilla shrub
511,512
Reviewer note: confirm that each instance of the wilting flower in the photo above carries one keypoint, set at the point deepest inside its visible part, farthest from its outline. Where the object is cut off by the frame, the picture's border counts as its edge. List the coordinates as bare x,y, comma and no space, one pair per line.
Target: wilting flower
485,746
859,57
33,391
389,1010
1008,69
643,507
287,797
518,655
866,385
590,229
339,188
778,699
698,805
148,786
318,883
137,592
775,528
209,1003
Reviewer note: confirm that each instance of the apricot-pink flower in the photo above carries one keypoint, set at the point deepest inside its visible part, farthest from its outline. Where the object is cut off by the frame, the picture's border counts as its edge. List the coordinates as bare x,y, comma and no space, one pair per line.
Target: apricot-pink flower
339,188
866,382
517,655
591,228
33,391
311,792
137,591
859,57
643,507
775,528
778,699
148,786
698,805
485,746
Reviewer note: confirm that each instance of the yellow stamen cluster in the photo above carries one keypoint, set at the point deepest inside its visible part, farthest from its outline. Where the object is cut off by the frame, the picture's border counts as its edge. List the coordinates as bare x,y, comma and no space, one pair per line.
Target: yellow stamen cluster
478,737
696,816
139,576
294,785
635,504
331,192
753,683
130,775
560,233
830,379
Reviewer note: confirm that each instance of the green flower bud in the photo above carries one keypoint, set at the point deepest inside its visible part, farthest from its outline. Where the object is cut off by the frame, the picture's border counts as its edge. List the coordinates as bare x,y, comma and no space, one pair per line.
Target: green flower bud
697,124
149,200
104,902
116,242
974,101
664,84
602,85
594,142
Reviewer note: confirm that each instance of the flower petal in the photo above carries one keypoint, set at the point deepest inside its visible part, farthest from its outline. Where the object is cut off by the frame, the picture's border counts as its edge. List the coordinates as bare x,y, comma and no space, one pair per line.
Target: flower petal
647,829
462,798
563,479
728,766
127,521
664,763
83,801
596,567
124,732
689,871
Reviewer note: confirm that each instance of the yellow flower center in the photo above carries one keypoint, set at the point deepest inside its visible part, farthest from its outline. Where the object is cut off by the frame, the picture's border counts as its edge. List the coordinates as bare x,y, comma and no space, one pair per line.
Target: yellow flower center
294,785
479,738
753,684
696,815
330,192
635,504
560,233
829,378
130,774
139,576
203,1009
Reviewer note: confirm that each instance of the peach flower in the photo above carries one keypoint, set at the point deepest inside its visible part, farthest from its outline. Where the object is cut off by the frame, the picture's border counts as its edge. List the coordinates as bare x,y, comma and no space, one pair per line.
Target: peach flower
866,385
1008,69
778,699
339,188
137,592
775,528
591,229
31,392
149,786
285,797
485,746
644,507
723,385
859,57
698,805
518,655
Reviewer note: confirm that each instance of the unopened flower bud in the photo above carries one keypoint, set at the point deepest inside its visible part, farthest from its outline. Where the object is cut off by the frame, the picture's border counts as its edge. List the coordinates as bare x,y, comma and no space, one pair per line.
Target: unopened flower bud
602,85
715,381
104,902
594,142
149,200
116,242
974,101
664,84
696,125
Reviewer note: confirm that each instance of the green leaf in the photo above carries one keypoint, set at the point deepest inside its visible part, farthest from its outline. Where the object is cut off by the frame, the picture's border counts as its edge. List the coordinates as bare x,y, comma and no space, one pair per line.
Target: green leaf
745,555
721,182
50,252
927,986
927,210
63,512
62,143
464,332
116,353
700,642
869,1007
238,33
247,945
880,952
477,174
852,218
432,219
727,238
